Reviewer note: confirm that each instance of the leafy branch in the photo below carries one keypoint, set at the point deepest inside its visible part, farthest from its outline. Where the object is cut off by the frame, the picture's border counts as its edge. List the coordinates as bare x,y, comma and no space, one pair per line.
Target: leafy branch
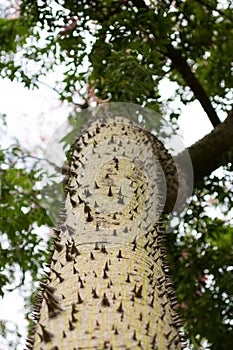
181,65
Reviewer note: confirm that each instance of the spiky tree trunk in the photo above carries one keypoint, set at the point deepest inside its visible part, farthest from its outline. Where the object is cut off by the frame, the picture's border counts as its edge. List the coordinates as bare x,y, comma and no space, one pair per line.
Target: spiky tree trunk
107,287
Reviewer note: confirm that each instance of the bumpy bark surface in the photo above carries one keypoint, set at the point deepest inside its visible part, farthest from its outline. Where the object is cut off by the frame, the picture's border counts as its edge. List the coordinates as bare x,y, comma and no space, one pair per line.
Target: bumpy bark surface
107,287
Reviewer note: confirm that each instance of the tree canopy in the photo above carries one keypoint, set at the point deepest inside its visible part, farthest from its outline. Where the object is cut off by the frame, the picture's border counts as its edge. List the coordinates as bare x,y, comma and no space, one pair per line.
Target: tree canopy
120,50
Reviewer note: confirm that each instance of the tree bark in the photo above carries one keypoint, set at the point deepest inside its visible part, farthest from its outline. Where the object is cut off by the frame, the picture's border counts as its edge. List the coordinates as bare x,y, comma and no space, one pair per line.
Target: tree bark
107,287
181,65
210,152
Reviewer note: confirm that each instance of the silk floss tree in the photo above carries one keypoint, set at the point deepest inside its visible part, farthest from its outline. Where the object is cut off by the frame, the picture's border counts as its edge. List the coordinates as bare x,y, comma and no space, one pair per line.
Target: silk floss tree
107,286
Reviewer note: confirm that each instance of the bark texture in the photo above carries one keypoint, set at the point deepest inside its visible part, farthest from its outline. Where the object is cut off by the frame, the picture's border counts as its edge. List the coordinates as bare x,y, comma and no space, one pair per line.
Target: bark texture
211,151
108,287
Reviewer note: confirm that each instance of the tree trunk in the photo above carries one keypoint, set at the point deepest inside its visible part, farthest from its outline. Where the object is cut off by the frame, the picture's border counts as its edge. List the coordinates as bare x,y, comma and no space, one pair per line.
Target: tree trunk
107,287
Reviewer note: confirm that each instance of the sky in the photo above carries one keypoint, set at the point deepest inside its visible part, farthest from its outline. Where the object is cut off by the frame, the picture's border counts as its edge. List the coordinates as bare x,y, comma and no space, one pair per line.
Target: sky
33,116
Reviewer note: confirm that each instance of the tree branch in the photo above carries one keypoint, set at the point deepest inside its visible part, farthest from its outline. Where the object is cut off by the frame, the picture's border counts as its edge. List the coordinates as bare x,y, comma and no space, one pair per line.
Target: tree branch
139,4
210,152
48,86
181,65
209,7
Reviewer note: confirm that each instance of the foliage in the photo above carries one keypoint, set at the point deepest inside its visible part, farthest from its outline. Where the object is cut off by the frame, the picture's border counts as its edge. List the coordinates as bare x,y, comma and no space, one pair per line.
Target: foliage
200,256
22,250
125,47
120,50
20,216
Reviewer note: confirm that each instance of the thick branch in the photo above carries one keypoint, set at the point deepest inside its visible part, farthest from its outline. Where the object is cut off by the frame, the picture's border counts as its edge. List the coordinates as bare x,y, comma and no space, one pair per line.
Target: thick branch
208,153
139,4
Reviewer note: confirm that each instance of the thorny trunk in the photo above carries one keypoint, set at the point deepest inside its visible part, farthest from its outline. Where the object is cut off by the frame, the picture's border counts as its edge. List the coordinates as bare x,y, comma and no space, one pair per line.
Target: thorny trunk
107,287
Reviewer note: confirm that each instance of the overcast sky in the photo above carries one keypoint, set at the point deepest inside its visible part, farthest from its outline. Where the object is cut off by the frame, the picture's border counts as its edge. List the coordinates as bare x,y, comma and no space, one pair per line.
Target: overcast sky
33,116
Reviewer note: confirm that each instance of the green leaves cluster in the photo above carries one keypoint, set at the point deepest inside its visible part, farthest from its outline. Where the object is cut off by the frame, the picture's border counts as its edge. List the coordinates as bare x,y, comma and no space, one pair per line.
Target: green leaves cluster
21,248
200,256
205,33
115,46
